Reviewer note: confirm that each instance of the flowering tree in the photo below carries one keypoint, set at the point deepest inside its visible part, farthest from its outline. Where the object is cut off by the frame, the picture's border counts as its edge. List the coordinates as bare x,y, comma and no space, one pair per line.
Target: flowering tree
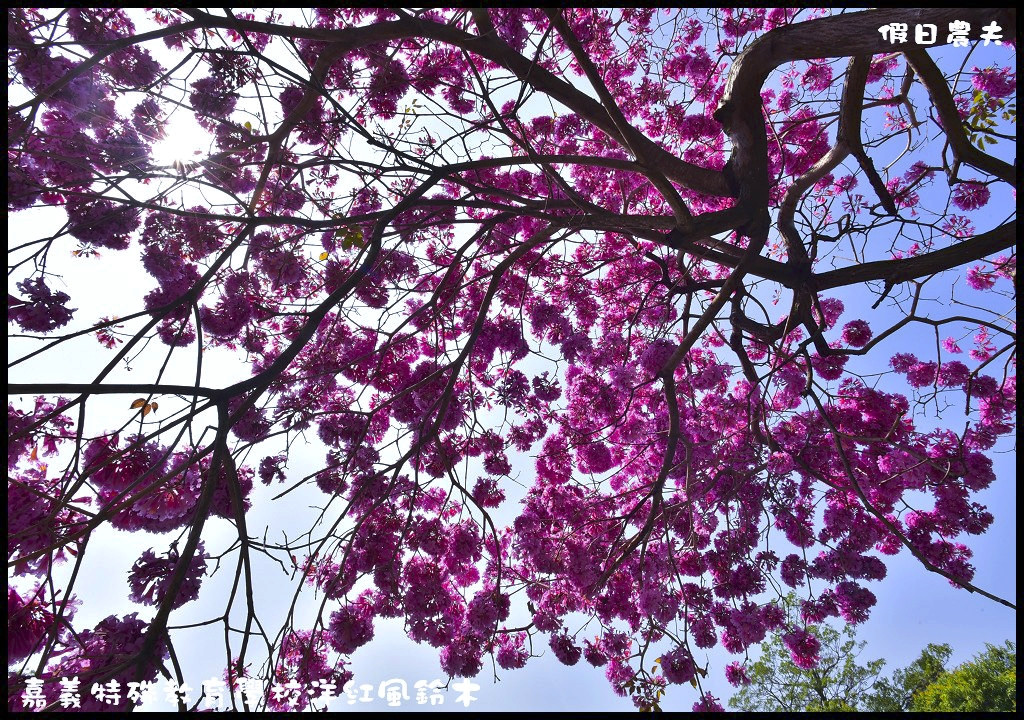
601,255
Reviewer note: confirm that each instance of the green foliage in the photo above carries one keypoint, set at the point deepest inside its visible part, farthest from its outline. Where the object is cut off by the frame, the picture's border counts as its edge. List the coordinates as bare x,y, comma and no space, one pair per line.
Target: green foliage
988,683
897,694
982,115
833,706
839,683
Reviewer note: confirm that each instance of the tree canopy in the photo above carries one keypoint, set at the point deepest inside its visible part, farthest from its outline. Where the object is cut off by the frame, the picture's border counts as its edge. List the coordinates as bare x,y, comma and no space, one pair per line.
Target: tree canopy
581,331
987,683
838,682
897,694
777,682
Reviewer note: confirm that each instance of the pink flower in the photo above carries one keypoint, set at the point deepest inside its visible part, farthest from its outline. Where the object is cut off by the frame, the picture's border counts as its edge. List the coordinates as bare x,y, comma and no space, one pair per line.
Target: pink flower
311,126
388,84
922,374
576,345
953,374
846,183
971,195
232,312
740,22
854,601
497,464
829,367
103,223
803,648
997,82
283,268
678,666
903,196
133,67
708,703
150,576
511,654
303,659
830,311
817,77
1006,267
567,652
212,98
111,644
546,390
42,311
252,425
93,28
176,334
902,362
880,67
486,609
464,543
979,279
487,492
596,457
919,170
27,625
793,571
736,674
857,333
653,359
462,658
594,654
983,386
270,468
958,226
350,628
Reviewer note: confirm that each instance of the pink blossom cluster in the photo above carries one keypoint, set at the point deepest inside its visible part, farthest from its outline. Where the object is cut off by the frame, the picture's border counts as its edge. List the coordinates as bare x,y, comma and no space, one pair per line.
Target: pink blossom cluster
150,576
28,624
995,81
433,321
971,195
303,664
106,652
41,309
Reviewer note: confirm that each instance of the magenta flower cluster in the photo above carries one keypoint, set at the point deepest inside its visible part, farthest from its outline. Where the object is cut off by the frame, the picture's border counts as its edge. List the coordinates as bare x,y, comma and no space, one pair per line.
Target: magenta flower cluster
535,404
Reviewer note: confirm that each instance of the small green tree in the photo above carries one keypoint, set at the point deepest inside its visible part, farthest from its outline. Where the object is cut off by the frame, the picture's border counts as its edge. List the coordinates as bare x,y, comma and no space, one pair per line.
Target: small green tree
988,683
838,683
897,694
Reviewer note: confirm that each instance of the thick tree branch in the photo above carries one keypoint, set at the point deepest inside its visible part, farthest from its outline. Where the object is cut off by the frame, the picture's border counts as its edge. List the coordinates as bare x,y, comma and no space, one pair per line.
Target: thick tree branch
893,272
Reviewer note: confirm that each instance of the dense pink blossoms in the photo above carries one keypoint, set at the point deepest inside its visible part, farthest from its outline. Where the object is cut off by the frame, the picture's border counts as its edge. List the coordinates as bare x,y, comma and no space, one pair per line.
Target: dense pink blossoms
971,195
803,648
41,310
559,315
150,576
997,82
28,623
